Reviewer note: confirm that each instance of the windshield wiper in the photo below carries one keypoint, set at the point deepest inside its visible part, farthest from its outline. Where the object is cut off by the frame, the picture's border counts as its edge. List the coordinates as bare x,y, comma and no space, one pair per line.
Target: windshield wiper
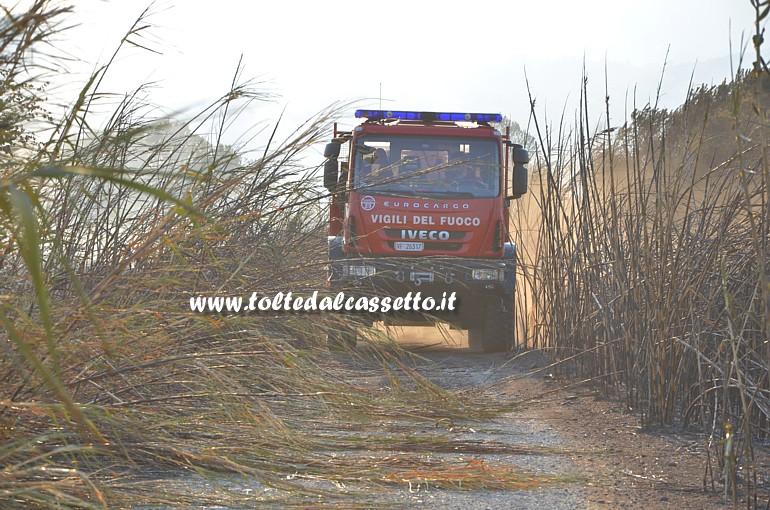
416,193
449,194
403,193
393,192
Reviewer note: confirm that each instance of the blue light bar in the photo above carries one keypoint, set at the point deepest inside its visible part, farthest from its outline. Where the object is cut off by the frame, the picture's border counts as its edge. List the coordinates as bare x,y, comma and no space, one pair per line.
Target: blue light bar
428,116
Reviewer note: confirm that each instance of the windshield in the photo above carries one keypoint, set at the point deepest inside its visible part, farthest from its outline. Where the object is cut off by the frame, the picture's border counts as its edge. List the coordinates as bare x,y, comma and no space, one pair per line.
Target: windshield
439,167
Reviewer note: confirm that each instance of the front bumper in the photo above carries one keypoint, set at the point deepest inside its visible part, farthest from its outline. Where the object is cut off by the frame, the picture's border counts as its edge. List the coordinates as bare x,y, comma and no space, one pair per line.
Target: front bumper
398,275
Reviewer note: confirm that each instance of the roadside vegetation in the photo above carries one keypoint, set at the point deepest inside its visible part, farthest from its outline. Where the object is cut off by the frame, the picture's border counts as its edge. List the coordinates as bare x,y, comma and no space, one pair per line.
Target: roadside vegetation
108,225
646,263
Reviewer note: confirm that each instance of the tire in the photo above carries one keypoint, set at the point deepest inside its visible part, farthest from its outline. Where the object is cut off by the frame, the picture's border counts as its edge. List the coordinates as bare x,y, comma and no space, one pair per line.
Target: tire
496,333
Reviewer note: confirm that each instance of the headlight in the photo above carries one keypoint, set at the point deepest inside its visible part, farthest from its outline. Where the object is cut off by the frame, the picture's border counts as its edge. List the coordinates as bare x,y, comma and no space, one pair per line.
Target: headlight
489,274
359,270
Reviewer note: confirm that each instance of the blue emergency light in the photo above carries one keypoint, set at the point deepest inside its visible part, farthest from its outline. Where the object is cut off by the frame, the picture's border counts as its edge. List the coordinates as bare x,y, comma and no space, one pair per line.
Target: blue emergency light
428,116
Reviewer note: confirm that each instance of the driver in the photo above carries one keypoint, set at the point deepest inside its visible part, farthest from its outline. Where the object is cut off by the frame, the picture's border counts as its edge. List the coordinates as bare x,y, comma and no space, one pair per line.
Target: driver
466,172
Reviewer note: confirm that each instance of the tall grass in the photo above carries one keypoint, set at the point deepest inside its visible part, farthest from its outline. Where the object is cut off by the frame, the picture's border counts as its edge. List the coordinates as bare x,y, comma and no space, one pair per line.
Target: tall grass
107,228
648,270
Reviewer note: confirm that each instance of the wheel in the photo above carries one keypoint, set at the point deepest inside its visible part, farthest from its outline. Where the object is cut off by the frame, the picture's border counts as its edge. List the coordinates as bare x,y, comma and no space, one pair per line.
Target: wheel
496,333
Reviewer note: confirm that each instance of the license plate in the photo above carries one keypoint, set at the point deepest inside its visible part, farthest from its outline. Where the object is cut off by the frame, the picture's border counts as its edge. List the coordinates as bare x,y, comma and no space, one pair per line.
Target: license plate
408,246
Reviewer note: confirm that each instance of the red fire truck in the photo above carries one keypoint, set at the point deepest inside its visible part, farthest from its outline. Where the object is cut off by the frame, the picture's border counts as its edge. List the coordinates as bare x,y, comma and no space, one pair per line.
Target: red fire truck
420,204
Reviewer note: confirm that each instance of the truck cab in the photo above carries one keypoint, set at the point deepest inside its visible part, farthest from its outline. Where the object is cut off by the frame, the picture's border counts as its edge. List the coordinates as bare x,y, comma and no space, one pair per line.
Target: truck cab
420,203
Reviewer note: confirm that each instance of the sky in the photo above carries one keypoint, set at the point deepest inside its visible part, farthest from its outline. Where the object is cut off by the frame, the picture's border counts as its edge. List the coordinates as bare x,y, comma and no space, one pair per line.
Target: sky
422,55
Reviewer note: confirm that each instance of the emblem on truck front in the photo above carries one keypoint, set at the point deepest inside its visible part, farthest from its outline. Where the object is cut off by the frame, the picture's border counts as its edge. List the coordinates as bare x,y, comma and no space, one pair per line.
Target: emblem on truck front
368,203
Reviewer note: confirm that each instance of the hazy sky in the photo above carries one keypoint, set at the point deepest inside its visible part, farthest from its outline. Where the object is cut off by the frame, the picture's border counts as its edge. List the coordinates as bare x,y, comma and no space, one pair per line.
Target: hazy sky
426,55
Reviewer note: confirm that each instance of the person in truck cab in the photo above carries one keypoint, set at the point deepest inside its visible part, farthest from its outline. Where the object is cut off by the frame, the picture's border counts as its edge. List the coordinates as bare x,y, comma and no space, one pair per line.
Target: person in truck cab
376,168
380,163
466,173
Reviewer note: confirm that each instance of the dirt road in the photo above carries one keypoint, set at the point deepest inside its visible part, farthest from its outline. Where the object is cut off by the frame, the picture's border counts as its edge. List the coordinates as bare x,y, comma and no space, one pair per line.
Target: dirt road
553,444
613,462
537,445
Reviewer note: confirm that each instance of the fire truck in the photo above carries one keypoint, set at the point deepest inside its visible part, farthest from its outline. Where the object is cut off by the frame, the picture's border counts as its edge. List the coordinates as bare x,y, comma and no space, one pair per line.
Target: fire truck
420,203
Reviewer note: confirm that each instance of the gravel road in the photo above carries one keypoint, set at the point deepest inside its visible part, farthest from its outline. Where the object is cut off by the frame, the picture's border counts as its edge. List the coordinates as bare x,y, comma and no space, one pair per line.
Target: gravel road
450,365
591,448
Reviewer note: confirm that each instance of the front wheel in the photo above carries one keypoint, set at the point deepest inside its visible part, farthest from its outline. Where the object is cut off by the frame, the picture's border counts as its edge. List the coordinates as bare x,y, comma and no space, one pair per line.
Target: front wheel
496,333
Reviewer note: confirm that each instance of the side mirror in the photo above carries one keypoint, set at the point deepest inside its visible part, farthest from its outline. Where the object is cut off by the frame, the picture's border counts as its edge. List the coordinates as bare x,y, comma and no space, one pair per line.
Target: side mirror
519,173
520,178
520,155
331,166
331,169
332,150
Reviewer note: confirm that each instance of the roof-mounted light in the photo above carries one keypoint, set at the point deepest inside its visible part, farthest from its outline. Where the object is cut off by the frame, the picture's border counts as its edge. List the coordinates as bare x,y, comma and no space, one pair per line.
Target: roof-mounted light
428,116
